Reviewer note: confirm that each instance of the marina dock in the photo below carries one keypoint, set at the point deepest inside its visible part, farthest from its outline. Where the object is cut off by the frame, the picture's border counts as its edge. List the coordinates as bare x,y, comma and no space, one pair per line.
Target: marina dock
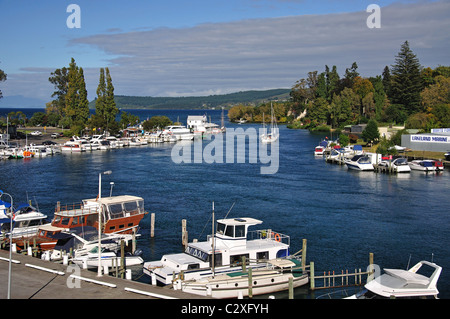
33,278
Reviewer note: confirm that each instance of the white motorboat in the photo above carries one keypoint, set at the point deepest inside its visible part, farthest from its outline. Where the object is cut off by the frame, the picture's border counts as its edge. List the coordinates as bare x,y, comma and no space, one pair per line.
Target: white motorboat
399,165
82,240
179,131
273,277
318,151
73,146
107,258
400,283
421,165
360,163
26,221
230,245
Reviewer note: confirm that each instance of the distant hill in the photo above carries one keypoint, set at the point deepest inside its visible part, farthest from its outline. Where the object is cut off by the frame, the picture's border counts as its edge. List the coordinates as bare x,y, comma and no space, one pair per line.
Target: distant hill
198,102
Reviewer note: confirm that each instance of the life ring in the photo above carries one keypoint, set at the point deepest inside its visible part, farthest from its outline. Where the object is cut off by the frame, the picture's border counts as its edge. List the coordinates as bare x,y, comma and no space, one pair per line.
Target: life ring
277,237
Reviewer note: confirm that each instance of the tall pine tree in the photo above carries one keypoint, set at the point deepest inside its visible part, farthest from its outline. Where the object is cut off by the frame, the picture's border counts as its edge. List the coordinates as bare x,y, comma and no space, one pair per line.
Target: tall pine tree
406,82
111,109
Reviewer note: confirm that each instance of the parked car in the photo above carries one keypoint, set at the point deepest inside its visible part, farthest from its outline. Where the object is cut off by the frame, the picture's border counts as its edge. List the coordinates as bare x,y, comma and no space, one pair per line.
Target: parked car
54,135
36,133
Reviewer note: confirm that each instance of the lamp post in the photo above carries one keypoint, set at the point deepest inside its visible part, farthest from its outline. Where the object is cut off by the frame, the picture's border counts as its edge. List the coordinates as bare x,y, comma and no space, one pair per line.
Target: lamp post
100,212
10,241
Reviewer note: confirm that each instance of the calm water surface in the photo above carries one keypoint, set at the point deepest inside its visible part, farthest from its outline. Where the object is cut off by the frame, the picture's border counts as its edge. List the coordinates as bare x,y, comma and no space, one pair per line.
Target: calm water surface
344,215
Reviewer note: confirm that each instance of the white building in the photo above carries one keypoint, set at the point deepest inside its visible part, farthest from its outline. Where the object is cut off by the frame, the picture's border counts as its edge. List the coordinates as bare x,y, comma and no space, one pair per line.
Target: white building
197,123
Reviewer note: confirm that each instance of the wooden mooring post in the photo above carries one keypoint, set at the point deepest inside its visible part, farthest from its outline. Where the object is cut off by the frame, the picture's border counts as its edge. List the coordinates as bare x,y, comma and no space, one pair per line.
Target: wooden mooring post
344,279
152,225
184,233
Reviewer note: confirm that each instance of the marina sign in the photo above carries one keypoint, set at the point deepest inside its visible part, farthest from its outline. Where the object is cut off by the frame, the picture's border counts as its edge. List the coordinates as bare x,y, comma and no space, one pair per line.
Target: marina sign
430,139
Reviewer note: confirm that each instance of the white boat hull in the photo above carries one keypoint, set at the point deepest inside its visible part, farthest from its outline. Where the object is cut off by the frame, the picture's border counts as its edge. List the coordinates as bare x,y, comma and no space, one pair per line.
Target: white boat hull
224,286
87,262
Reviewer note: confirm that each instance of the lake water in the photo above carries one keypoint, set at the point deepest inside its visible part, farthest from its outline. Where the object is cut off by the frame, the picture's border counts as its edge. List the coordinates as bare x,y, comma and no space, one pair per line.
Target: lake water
343,214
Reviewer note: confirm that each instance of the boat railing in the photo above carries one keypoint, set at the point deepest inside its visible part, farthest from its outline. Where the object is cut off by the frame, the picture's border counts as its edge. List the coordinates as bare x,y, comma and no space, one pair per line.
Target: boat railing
76,209
269,235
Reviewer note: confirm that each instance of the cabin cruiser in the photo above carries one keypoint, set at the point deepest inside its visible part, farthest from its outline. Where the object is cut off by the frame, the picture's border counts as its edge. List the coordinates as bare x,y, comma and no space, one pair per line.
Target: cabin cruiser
26,221
400,283
73,146
399,165
120,214
422,165
318,151
360,163
179,131
230,245
83,242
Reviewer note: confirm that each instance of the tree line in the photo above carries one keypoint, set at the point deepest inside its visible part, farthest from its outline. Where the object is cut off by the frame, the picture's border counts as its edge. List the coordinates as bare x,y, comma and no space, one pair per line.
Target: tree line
405,93
70,107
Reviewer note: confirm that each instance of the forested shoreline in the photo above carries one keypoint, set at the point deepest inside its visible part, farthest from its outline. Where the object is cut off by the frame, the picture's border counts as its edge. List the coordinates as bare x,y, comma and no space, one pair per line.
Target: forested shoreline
405,94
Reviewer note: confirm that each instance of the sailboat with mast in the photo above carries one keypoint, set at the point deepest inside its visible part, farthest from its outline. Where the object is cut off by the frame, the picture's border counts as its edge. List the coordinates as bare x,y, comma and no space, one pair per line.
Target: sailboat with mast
273,135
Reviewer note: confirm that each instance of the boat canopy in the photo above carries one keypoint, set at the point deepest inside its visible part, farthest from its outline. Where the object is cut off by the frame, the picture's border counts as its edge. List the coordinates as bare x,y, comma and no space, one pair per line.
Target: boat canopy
357,147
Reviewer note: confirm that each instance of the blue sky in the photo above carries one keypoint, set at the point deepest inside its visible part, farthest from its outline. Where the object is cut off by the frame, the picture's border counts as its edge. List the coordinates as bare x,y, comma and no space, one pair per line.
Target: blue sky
202,47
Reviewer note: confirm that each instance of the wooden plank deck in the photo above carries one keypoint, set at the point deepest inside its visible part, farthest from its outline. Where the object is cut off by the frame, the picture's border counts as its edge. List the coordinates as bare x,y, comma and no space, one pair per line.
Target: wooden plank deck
29,282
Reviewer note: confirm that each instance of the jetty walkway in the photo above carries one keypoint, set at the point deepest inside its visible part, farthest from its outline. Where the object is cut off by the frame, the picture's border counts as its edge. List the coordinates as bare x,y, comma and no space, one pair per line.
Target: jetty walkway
33,278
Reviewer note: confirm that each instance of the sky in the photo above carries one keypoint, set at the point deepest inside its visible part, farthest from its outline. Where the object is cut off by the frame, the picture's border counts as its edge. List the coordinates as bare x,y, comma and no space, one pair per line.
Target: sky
204,47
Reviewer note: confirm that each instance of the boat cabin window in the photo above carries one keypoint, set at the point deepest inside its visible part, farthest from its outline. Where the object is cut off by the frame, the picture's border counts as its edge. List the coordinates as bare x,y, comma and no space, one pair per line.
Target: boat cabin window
193,266
262,255
220,228
115,210
282,253
231,230
217,259
57,219
237,259
65,221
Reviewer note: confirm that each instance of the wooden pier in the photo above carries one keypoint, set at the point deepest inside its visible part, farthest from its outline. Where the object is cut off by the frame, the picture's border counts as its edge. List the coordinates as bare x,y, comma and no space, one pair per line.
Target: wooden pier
343,279
33,278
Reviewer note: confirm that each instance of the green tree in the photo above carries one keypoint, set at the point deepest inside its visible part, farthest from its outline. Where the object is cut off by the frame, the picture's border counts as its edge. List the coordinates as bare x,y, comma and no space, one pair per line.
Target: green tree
110,105
387,81
371,133
60,80
406,80
100,102
83,102
318,110
344,108
38,118
156,122
2,79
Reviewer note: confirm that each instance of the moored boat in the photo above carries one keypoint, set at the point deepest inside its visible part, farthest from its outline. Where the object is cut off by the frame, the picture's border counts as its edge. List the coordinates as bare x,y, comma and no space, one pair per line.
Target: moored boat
360,163
422,165
275,276
120,214
230,245
400,283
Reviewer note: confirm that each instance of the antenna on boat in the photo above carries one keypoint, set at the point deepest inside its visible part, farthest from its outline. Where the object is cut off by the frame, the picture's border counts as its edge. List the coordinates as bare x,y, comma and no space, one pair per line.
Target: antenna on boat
230,210
432,257
407,267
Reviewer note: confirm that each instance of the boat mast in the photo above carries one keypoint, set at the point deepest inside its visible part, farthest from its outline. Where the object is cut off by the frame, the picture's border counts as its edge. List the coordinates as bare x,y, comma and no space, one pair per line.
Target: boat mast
212,243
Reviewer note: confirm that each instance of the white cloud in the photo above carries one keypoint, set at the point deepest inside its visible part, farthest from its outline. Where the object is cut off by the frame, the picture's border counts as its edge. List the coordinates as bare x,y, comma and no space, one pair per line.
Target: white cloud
217,58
